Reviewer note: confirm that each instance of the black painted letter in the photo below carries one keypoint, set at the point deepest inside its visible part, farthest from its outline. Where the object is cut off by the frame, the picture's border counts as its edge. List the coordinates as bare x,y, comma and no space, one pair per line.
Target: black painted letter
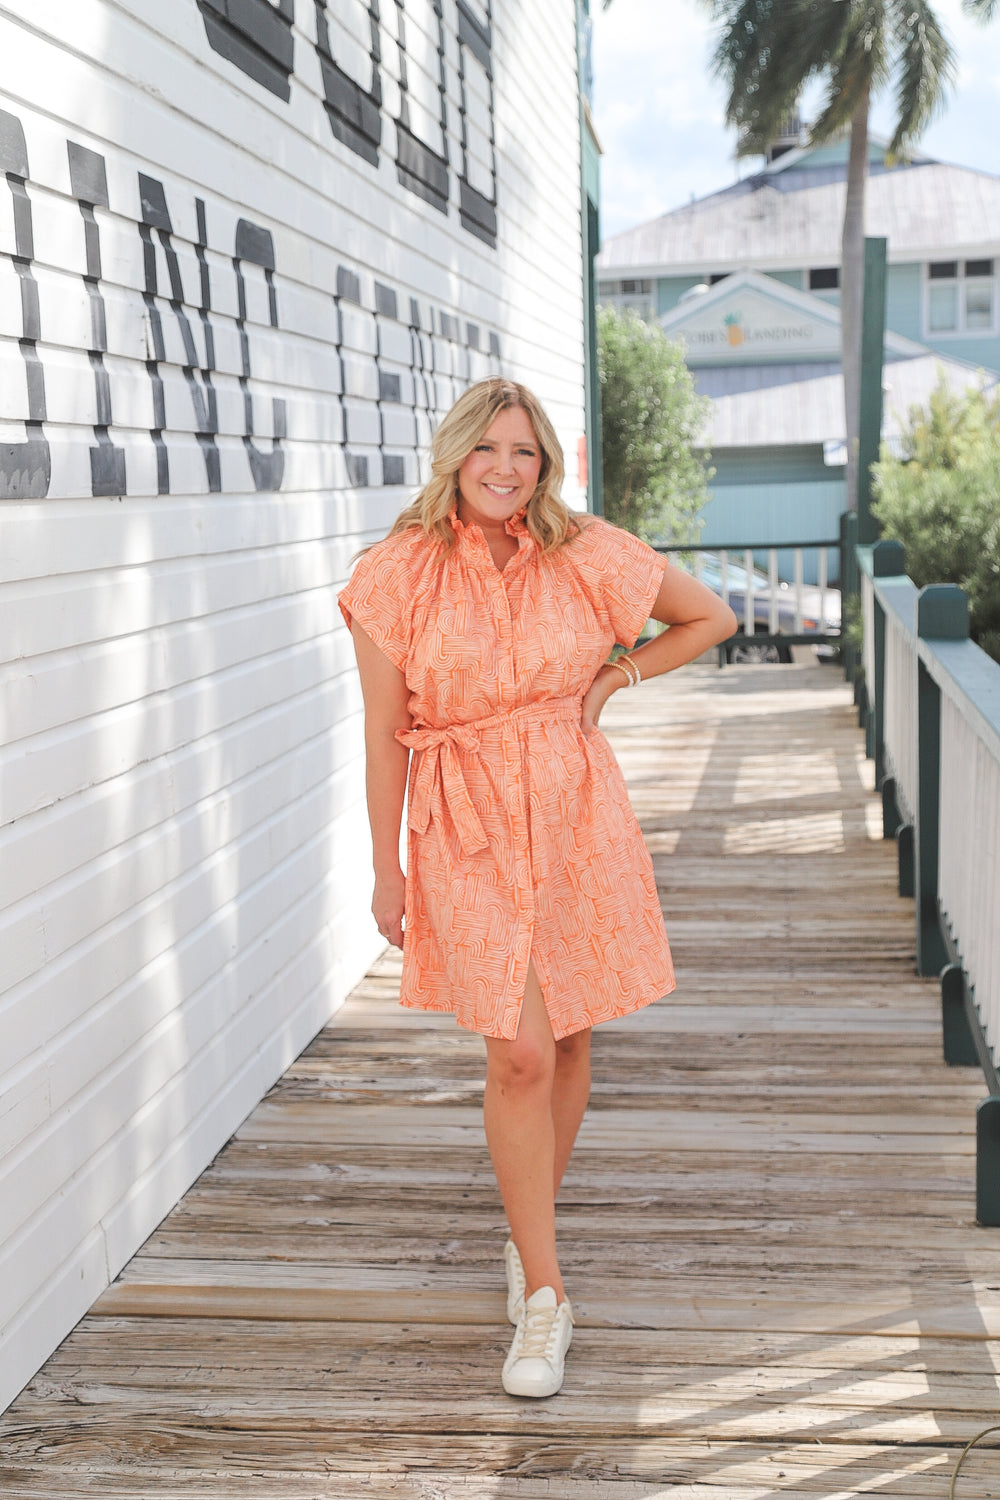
256,245
478,203
25,468
89,182
421,130
255,35
353,100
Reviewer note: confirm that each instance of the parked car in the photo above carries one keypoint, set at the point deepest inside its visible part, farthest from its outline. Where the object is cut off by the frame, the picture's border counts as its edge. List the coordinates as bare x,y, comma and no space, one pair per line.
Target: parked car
819,608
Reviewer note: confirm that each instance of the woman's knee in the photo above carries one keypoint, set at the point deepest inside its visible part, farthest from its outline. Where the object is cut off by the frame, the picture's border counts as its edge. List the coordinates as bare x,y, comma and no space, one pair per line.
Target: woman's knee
573,1049
526,1063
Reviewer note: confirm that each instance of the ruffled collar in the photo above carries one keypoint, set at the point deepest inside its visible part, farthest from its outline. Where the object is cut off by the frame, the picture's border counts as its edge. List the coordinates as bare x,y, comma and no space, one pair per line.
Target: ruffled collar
514,525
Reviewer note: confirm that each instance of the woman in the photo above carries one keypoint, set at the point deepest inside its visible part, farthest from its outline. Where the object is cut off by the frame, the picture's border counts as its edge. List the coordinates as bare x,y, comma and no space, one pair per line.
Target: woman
482,626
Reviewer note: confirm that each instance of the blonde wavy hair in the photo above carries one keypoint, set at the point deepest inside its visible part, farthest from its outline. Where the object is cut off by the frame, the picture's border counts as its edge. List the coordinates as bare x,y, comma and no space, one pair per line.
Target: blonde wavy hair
548,518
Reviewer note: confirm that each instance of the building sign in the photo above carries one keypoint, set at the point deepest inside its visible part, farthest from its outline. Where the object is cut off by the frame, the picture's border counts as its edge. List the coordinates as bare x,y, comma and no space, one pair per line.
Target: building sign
749,325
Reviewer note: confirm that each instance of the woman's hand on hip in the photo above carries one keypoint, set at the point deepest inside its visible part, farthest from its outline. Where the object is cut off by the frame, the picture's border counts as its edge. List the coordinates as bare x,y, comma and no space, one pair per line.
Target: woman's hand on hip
600,690
388,904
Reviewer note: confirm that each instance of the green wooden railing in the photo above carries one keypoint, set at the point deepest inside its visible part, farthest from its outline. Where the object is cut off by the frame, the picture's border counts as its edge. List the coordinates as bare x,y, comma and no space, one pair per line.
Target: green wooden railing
929,700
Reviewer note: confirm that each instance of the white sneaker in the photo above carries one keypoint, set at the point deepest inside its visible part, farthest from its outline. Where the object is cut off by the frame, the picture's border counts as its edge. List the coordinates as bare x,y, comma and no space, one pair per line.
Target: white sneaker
515,1281
537,1359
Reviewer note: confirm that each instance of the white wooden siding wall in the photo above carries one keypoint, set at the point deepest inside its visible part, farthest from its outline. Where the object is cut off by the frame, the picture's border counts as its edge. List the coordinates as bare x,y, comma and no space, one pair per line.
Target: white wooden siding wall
899,724
969,855
227,327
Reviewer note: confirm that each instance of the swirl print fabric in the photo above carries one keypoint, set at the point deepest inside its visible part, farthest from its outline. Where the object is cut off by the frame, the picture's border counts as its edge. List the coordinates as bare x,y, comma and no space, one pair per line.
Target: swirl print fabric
522,844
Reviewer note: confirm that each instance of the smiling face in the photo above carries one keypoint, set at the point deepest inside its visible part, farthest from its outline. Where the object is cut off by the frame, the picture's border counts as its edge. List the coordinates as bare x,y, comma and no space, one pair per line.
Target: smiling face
500,475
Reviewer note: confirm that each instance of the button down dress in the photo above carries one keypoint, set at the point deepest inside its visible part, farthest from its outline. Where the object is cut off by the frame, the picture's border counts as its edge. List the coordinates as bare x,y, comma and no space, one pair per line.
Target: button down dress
522,843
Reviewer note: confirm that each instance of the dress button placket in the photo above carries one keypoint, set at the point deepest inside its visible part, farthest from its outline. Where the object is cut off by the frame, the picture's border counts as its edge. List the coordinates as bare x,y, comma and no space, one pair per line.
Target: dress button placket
510,741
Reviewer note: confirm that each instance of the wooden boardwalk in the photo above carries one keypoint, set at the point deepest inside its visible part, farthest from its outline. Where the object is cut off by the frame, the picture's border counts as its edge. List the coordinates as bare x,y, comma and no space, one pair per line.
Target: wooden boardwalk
767,1229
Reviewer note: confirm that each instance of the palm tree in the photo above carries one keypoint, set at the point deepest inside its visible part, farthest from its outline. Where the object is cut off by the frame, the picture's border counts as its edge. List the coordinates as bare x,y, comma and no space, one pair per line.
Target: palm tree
768,50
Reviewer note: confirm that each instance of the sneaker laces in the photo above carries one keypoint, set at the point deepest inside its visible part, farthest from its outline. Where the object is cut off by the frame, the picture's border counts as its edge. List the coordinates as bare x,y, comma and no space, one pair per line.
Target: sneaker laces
537,1330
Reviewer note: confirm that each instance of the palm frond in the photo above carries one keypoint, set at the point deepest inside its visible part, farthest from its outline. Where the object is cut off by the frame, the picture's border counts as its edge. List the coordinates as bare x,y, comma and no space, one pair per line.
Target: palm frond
765,54
926,69
859,67
982,9
766,51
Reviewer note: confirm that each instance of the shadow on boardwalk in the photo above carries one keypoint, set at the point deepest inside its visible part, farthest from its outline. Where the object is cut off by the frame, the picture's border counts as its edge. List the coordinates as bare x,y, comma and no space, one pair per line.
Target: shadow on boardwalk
767,1229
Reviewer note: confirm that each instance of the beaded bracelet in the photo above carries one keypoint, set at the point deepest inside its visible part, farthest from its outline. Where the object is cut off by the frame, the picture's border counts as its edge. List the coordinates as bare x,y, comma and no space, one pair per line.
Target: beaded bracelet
635,668
631,671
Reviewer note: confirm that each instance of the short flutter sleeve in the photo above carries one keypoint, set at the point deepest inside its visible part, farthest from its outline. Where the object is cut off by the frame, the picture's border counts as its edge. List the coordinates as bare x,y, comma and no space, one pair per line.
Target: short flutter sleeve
625,573
379,596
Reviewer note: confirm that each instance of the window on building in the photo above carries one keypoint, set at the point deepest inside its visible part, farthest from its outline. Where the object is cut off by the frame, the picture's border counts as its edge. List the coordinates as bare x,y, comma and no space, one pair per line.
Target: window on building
961,296
634,291
824,279
978,294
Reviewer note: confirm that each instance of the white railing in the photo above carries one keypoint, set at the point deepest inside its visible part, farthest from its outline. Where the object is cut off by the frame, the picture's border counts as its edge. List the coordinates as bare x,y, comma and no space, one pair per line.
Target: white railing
889,661
778,603
868,622
969,852
932,701
900,720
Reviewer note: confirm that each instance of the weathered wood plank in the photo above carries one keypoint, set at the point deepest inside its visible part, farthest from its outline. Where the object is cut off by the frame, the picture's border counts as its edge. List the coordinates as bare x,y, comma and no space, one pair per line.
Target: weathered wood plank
363,1299
486,1467
309,1121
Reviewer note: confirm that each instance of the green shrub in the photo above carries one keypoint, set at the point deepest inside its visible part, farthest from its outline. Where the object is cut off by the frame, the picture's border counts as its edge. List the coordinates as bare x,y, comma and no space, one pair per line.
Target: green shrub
941,499
655,483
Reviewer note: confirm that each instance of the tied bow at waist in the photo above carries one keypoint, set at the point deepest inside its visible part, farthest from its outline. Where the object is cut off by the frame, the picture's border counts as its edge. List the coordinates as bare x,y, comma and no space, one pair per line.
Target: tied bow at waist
438,763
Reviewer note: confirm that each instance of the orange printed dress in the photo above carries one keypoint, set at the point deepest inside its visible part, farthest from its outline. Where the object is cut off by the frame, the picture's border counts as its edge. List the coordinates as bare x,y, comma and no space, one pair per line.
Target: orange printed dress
521,840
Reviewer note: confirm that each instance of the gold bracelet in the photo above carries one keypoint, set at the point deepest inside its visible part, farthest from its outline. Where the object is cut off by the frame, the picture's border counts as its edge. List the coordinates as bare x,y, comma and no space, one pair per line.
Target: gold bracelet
631,671
635,668
630,680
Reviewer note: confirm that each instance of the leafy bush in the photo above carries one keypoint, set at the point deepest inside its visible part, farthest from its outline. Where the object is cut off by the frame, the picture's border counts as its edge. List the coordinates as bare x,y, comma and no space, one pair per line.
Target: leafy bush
655,483
941,499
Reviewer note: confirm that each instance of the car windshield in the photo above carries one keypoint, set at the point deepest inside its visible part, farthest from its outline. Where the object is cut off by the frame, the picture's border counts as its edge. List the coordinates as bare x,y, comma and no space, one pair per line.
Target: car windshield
710,572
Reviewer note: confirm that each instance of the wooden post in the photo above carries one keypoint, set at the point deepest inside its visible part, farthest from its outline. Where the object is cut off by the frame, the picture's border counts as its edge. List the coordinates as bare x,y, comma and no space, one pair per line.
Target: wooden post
988,1161
888,561
905,859
956,1033
848,587
870,394
891,819
942,614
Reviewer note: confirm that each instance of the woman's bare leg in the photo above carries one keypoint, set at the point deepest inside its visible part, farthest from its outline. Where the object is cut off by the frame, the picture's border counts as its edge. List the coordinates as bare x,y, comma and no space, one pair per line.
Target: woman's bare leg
570,1093
521,1135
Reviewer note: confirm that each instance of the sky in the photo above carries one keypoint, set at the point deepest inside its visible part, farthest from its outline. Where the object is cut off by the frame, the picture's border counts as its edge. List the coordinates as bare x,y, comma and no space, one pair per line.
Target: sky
659,112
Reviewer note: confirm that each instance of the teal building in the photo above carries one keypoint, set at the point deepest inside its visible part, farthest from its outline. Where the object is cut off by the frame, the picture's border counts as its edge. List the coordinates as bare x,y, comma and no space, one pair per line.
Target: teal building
749,279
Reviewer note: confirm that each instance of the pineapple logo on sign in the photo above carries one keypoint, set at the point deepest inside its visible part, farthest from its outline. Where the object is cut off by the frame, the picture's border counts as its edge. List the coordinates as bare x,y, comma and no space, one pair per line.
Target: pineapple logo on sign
734,329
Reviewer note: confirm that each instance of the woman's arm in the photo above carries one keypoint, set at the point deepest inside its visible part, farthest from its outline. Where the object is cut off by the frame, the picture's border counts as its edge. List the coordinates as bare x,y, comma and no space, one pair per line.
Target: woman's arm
386,696
698,619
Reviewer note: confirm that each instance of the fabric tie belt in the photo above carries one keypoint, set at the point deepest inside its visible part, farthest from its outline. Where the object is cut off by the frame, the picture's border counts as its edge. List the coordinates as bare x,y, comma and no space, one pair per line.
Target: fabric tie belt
439,763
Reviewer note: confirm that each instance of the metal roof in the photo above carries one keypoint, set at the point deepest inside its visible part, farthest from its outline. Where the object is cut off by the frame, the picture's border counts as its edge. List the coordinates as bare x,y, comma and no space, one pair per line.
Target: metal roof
767,406
794,218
